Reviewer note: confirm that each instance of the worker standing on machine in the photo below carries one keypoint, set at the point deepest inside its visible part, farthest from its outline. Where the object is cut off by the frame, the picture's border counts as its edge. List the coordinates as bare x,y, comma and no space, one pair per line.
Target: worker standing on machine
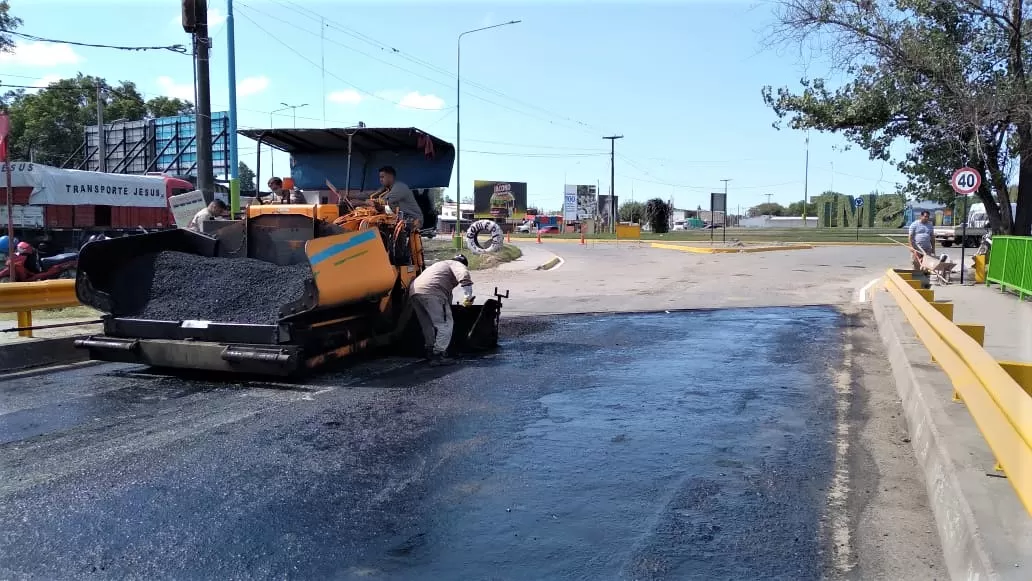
431,294
397,195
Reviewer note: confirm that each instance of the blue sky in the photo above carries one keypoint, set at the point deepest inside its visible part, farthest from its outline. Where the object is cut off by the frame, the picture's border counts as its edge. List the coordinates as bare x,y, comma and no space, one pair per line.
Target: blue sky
680,80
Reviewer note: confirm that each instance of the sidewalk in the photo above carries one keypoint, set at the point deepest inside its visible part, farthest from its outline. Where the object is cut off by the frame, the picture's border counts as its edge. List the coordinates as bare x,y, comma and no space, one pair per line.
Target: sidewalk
1007,320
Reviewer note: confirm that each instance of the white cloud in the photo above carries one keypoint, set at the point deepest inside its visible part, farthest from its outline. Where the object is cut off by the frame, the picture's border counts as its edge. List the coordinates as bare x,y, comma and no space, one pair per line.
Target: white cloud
345,97
252,85
47,80
215,18
170,88
41,54
415,100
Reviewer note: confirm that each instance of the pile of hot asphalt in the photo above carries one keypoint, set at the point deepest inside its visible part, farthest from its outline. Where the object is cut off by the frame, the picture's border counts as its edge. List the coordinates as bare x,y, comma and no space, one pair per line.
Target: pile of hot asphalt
177,286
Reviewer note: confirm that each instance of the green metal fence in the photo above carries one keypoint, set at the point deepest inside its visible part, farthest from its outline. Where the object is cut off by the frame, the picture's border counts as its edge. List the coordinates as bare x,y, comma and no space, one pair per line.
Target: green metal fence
1010,264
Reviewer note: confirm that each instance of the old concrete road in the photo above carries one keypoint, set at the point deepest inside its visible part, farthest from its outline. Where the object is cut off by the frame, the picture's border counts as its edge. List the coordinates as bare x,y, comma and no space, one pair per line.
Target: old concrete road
724,444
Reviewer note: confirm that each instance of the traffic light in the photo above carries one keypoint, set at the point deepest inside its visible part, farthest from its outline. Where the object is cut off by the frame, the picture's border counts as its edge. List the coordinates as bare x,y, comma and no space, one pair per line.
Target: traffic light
195,12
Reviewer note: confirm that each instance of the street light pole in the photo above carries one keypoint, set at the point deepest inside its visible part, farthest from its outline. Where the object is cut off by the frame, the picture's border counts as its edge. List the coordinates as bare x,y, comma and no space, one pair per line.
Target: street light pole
272,152
458,132
294,109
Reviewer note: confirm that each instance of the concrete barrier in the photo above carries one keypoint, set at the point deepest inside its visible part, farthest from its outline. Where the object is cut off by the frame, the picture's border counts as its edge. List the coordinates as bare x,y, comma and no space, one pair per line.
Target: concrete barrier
985,530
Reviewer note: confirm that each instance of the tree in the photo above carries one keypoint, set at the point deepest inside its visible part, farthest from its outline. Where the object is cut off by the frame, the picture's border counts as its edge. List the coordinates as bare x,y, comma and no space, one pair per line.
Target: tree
633,212
949,78
168,107
8,24
657,215
765,209
796,209
50,124
248,179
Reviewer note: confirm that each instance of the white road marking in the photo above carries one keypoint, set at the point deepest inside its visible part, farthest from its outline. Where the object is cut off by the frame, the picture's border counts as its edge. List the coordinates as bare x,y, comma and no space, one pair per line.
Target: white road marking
838,492
861,295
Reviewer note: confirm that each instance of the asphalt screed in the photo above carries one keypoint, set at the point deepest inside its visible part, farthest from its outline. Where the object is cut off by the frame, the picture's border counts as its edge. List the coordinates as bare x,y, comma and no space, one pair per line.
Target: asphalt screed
176,286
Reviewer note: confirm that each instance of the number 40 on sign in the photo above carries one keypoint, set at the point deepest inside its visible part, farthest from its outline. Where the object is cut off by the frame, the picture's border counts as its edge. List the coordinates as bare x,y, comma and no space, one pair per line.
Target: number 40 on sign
966,181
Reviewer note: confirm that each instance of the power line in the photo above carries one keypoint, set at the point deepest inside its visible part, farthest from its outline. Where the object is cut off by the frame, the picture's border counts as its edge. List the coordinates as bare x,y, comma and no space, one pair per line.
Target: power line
341,79
176,48
580,125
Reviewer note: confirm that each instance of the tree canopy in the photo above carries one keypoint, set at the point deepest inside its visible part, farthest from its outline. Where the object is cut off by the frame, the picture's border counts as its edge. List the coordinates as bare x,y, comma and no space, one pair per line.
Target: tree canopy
657,215
49,125
948,78
248,179
8,23
633,212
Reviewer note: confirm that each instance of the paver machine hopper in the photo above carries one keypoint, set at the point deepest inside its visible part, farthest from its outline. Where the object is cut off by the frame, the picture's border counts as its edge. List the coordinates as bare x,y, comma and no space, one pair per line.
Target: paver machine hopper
347,269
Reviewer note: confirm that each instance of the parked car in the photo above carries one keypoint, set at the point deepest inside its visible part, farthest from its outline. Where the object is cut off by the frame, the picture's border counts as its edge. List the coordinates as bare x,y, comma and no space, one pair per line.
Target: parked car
550,229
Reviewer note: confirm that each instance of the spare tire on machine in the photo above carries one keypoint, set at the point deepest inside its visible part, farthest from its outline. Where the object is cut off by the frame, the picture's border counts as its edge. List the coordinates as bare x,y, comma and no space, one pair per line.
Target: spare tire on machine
491,229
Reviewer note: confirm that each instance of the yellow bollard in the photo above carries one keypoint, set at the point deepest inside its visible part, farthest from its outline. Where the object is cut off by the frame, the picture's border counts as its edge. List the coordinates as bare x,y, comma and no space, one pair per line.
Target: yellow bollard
945,308
25,320
979,268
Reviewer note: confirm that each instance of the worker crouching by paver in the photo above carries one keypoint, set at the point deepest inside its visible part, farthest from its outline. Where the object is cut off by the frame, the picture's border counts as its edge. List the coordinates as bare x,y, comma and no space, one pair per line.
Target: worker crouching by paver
431,299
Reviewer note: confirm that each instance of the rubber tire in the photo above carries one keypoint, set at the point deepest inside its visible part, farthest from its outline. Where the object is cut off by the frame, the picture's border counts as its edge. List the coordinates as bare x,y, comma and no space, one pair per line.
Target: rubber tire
485,226
947,243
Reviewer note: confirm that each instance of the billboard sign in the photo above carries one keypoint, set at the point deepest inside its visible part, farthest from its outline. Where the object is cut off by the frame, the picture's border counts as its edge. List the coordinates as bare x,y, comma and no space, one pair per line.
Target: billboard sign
504,202
570,203
580,202
604,208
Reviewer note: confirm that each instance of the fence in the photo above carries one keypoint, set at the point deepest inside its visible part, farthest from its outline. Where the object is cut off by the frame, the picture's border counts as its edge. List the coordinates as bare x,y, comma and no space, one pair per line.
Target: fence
25,297
1000,406
1010,264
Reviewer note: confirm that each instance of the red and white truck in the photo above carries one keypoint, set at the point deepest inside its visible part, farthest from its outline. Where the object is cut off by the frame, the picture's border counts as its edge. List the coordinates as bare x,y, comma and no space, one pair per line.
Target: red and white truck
66,206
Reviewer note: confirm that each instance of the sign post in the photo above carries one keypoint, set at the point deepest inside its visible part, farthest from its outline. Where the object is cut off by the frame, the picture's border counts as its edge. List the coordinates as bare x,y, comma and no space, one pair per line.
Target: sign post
858,203
965,181
718,203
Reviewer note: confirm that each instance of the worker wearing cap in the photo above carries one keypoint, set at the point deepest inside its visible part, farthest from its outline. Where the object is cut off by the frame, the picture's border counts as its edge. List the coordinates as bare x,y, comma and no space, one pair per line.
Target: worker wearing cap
431,294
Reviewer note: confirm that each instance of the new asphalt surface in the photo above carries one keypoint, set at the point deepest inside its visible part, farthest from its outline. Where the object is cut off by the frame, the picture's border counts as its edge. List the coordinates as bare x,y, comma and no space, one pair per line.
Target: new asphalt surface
670,445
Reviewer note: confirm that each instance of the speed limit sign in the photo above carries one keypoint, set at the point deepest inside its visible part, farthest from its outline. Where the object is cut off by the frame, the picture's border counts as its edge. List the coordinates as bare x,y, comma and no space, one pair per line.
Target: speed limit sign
966,181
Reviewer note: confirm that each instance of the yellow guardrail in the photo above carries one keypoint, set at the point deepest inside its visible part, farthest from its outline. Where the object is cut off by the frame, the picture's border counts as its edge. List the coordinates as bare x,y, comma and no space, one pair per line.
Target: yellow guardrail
25,297
999,405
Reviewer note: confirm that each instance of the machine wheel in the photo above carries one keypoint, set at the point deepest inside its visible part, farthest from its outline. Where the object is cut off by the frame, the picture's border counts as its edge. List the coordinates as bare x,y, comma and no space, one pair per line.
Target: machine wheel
947,243
492,229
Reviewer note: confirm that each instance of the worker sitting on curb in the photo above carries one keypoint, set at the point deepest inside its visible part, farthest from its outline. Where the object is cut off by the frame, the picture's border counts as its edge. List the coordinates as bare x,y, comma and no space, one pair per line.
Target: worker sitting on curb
431,294
216,209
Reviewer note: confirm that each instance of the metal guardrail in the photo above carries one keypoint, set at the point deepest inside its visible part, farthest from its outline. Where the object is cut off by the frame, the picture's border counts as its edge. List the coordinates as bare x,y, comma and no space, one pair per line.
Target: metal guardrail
1000,407
1010,264
25,297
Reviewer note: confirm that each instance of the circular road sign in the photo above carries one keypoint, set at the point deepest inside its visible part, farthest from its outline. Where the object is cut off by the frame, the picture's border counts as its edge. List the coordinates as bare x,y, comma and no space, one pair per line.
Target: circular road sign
858,202
966,181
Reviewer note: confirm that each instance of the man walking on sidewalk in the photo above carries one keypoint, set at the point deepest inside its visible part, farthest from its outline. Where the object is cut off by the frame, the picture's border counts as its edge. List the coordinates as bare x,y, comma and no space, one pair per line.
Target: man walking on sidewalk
431,294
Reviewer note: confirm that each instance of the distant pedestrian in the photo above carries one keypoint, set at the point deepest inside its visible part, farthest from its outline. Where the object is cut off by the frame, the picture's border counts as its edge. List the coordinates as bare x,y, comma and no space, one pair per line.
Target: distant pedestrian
922,238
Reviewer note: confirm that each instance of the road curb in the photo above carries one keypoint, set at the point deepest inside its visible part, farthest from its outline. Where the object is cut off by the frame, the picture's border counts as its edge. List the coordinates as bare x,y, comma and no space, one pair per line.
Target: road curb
728,250
551,263
33,353
984,530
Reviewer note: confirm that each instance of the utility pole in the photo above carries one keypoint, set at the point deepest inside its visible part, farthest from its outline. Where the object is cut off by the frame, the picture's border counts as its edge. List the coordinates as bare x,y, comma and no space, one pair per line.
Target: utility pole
768,198
612,177
322,66
101,135
202,118
806,179
234,154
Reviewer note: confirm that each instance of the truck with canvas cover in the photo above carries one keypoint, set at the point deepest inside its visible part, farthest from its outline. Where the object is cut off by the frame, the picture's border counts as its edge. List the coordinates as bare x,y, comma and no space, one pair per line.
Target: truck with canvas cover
289,288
